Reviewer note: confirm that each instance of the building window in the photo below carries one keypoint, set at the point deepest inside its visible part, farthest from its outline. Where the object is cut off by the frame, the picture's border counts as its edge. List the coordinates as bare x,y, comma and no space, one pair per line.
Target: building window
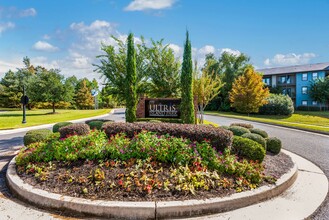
282,79
304,77
288,79
314,103
267,81
304,90
314,76
304,102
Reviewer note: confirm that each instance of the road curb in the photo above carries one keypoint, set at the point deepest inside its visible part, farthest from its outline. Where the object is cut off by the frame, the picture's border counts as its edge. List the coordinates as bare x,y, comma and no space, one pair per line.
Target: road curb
273,124
145,210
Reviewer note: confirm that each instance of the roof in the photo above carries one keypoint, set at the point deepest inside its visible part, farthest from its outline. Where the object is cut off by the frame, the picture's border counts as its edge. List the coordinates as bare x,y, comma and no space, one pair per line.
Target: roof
295,69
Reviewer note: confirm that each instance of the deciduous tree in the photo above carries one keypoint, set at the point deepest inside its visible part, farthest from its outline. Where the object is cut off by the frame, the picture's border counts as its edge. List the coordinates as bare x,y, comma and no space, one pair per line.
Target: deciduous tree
248,92
163,70
206,86
49,86
319,91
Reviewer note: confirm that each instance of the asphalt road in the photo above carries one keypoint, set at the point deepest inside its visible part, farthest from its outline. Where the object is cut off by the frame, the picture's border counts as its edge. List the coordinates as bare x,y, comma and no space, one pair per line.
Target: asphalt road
312,146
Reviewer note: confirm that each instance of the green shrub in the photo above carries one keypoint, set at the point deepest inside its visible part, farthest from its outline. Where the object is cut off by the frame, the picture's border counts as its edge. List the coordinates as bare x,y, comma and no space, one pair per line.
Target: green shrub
58,125
259,131
167,120
34,136
248,148
238,130
274,145
278,104
225,127
103,120
155,121
218,138
74,129
245,125
95,125
255,137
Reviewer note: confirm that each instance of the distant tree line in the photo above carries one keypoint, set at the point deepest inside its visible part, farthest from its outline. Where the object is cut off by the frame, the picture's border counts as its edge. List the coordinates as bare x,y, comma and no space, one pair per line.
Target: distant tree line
45,89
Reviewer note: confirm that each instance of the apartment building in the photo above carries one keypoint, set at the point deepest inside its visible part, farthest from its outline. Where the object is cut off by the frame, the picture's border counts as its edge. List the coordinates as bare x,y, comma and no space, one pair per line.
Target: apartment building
295,81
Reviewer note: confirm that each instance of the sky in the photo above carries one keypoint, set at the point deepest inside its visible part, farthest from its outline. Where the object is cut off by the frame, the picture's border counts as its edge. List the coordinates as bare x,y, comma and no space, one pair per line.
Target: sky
67,34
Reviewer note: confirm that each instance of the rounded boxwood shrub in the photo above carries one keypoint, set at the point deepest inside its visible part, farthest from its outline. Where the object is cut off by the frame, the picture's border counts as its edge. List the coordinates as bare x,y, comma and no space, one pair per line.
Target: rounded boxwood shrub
274,145
34,136
225,127
58,125
248,148
74,129
245,125
278,104
255,137
238,130
259,131
95,125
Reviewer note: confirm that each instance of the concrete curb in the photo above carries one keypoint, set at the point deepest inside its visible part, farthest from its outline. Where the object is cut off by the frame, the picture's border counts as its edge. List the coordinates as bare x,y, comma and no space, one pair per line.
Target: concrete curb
145,210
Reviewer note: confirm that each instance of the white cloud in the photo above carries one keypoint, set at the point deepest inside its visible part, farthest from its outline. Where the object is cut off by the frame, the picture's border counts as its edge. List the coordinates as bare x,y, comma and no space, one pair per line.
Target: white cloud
44,46
230,51
5,66
28,12
46,37
13,12
6,26
178,51
289,59
207,49
141,5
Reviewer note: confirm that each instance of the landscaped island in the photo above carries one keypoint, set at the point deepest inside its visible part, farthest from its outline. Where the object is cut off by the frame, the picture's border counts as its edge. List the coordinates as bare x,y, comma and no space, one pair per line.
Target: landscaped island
148,161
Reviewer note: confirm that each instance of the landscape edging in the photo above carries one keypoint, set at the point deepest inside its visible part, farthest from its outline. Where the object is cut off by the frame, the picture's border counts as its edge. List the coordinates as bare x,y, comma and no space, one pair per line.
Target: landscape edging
145,210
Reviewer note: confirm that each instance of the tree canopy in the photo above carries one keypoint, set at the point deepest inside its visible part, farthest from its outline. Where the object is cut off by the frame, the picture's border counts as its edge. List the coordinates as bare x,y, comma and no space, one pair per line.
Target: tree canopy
248,92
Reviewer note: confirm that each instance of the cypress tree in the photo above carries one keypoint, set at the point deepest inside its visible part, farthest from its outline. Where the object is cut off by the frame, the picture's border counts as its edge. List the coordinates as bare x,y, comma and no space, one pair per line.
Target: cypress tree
130,93
187,105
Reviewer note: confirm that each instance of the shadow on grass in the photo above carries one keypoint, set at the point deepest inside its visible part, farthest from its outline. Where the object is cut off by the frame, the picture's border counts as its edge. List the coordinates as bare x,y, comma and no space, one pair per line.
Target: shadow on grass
20,114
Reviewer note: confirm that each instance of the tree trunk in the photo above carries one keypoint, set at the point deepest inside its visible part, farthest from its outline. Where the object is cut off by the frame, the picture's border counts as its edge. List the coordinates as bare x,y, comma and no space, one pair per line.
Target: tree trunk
53,107
202,113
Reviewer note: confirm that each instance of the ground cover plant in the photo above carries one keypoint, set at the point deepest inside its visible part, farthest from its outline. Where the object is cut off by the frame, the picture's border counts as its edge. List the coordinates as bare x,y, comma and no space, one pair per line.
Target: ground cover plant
145,166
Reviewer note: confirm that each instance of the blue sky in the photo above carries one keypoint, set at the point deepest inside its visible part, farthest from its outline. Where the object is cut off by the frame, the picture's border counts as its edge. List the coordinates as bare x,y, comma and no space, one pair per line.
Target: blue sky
68,34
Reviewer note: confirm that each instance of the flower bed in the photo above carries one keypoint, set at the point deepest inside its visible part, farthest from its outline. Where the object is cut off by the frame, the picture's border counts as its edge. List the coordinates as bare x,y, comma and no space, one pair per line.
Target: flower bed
144,165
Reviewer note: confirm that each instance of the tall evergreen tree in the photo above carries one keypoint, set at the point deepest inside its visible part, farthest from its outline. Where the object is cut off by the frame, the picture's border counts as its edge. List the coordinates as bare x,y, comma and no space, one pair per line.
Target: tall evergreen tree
187,105
130,93
84,99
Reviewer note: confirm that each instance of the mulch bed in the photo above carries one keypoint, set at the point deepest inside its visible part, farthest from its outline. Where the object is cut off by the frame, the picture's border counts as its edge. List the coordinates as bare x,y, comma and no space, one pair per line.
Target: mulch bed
74,180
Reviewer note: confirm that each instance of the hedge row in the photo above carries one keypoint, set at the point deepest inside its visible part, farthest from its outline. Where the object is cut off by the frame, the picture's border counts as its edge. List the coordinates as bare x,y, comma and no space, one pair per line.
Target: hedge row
167,120
218,137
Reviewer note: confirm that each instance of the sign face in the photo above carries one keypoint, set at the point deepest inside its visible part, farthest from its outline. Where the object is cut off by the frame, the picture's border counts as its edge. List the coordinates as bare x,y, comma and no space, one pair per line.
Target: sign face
24,100
162,108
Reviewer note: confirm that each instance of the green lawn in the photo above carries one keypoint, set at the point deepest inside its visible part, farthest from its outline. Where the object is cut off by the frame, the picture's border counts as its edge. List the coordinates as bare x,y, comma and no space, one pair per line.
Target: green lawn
13,119
312,121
